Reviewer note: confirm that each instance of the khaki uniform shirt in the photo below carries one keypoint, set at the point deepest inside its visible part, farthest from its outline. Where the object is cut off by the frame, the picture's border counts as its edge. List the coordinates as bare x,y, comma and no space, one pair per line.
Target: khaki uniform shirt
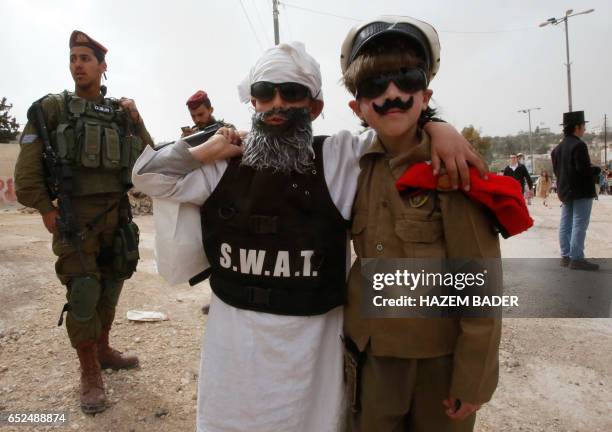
386,226
29,171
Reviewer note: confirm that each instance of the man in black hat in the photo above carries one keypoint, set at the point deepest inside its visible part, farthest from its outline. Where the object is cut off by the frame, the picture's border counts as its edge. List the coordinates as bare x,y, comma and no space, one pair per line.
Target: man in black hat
576,190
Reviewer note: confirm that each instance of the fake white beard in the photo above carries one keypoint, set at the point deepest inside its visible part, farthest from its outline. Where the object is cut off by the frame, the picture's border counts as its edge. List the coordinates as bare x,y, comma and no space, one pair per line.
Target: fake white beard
286,149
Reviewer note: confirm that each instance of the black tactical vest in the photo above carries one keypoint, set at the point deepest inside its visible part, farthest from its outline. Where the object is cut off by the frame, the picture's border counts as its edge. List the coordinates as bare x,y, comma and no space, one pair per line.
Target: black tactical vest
276,242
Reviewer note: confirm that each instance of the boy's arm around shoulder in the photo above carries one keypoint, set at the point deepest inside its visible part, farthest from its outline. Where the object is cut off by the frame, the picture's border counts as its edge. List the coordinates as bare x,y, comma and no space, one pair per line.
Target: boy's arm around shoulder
469,234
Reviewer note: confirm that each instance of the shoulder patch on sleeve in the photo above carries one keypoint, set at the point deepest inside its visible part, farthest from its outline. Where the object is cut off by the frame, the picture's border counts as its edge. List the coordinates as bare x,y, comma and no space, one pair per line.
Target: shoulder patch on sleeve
28,139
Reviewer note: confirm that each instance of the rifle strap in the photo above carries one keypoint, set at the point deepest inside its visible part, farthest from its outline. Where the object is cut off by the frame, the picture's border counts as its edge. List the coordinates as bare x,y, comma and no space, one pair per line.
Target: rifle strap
89,226
66,308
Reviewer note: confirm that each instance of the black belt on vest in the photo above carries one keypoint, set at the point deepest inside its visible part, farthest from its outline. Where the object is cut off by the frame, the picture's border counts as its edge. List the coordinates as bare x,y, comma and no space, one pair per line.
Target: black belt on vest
276,300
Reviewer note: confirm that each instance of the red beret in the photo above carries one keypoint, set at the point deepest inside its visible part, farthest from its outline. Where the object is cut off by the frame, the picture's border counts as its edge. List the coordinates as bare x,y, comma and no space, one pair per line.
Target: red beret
78,38
197,99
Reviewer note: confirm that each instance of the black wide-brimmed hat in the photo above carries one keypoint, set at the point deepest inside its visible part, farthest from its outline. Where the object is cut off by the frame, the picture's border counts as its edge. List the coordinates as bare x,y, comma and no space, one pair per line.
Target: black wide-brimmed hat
573,118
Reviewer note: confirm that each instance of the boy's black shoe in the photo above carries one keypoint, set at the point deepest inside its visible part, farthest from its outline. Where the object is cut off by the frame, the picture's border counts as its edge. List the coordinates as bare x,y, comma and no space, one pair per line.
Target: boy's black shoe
564,261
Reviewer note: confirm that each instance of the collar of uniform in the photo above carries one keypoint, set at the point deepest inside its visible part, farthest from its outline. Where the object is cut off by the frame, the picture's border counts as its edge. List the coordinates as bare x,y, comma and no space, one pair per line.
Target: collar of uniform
98,100
398,164
376,147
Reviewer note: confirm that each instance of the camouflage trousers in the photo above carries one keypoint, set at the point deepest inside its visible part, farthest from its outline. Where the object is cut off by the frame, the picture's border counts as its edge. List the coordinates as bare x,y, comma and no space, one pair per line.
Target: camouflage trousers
86,268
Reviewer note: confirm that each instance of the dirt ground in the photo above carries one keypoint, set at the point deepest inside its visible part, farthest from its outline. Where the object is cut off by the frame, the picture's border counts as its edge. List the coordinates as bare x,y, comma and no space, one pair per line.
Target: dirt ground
555,373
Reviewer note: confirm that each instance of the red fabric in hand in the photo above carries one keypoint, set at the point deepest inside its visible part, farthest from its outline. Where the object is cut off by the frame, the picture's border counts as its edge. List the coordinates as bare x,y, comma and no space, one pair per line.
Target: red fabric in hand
501,195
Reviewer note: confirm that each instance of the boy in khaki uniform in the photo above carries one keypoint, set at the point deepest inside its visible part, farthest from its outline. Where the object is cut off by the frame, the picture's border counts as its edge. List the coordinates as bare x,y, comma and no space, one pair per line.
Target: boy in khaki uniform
416,374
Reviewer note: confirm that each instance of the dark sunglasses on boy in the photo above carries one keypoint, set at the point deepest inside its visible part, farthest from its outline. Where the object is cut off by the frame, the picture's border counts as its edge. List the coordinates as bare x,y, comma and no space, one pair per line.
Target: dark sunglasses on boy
407,80
289,91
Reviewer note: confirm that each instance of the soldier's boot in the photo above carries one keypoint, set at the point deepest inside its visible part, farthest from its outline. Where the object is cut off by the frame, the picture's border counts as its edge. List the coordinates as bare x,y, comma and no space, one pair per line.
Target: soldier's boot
111,358
93,399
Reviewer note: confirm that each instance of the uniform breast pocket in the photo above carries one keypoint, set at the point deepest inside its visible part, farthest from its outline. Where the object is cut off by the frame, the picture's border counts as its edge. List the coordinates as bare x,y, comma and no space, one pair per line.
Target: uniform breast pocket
358,227
421,239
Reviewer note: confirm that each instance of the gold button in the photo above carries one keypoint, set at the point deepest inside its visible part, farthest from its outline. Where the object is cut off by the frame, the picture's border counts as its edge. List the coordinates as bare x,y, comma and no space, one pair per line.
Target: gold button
379,247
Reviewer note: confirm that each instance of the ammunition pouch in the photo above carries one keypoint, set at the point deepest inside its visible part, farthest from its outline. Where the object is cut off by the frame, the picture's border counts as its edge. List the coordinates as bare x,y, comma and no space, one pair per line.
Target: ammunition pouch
125,250
84,295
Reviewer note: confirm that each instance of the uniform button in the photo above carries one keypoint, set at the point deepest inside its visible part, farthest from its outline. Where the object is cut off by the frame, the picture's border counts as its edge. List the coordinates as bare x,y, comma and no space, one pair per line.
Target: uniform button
294,185
314,171
379,247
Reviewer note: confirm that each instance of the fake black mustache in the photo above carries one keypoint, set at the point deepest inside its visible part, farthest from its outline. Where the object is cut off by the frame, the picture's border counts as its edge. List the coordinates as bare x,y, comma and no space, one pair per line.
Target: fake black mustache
395,103
296,118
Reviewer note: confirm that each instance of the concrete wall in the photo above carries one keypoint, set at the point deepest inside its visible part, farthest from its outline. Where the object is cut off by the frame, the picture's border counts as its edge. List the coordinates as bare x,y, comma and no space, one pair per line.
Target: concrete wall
8,157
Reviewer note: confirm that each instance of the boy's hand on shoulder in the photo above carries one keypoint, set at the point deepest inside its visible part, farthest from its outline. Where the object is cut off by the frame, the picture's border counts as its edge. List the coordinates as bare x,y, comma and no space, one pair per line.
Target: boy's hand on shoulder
451,148
459,410
218,147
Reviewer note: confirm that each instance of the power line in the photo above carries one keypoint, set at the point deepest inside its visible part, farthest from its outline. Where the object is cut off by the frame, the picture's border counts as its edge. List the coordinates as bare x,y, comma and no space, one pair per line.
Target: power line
320,12
490,32
344,17
287,24
261,23
251,25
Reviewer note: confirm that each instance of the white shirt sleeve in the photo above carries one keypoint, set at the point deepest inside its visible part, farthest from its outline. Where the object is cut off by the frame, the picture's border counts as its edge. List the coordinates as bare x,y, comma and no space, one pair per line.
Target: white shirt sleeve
179,185
341,153
173,173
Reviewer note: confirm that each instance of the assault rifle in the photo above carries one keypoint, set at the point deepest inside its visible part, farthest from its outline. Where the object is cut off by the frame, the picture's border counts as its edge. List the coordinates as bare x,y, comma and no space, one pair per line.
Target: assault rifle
58,179
198,137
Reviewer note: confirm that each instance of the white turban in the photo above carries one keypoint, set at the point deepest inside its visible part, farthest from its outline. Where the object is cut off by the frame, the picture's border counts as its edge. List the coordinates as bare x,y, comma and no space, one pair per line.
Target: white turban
287,62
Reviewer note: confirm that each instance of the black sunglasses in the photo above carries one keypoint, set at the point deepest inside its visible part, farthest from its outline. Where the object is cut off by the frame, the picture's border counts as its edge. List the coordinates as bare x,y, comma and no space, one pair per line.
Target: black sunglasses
407,80
290,91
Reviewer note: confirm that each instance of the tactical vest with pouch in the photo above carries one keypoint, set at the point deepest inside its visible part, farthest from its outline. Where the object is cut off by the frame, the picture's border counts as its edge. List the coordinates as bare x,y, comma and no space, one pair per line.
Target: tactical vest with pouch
276,242
94,140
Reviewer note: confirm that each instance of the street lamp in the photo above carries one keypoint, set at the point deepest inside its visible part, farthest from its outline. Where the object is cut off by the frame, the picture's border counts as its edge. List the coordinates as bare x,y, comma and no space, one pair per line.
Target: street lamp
555,21
528,112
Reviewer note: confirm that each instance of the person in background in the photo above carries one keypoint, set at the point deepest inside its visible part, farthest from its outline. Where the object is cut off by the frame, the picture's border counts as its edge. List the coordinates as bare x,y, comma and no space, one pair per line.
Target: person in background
576,190
518,171
201,111
543,187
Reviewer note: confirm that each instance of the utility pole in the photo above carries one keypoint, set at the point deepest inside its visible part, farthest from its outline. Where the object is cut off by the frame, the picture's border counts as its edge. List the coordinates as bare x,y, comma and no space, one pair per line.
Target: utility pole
606,140
275,16
569,74
528,112
554,21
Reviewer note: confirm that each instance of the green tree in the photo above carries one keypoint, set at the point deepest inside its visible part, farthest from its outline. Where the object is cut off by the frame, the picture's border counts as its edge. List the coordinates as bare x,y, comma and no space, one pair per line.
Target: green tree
9,128
482,144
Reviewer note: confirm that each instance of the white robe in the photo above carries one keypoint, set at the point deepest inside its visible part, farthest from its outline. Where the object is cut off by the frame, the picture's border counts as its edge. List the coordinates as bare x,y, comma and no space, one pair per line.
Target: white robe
260,372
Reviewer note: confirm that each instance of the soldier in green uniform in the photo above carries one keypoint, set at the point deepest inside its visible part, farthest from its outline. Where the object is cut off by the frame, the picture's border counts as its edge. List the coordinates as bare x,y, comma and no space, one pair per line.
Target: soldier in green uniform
74,167
201,111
